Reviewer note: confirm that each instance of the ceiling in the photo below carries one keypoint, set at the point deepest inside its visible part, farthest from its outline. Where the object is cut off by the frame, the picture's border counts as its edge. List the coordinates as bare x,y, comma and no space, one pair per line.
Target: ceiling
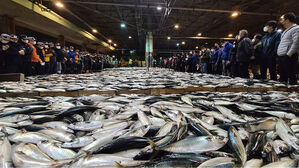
209,17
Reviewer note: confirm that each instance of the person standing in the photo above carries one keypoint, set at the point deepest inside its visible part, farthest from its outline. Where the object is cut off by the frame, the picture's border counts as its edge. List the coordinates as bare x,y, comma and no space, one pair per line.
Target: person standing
13,56
245,52
216,59
227,47
288,49
72,55
53,58
41,52
255,61
204,59
49,52
26,58
270,44
59,57
35,59
233,59
3,52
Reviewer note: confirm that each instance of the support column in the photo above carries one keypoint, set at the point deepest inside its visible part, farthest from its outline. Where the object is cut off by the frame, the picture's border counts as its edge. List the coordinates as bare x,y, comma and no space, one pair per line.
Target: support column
7,24
149,49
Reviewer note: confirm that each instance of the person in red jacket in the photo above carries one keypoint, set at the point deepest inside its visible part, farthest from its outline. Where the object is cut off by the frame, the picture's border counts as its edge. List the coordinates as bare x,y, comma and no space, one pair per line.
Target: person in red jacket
35,59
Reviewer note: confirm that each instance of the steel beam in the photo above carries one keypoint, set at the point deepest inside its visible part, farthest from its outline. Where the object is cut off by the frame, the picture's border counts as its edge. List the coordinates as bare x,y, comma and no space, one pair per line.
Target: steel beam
173,7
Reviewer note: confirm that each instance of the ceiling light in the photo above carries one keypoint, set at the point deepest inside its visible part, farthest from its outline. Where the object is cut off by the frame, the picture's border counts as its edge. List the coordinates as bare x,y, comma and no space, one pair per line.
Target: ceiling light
196,47
59,4
235,14
130,37
168,38
109,41
94,30
122,25
183,42
230,35
176,26
115,45
159,8
177,44
199,34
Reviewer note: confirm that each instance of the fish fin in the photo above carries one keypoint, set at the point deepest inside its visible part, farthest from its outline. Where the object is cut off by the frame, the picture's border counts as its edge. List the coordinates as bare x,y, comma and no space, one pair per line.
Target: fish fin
118,165
4,132
152,144
80,154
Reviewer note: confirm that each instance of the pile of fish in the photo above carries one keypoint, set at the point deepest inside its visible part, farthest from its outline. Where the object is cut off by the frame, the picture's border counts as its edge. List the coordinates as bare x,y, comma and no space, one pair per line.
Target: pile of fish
127,80
201,129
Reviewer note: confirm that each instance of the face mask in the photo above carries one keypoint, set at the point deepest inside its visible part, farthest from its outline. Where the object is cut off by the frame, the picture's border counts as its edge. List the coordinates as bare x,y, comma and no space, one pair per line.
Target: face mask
238,38
253,40
266,29
4,41
68,50
58,47
34,42
41,47
46,46
72,50
26,41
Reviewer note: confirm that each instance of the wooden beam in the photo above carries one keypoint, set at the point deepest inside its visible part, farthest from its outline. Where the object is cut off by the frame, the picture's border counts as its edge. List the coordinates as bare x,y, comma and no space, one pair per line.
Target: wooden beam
17,77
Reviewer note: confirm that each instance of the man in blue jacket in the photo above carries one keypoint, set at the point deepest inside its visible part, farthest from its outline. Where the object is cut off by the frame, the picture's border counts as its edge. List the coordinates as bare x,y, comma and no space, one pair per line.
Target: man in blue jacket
270,44
227,47
216,59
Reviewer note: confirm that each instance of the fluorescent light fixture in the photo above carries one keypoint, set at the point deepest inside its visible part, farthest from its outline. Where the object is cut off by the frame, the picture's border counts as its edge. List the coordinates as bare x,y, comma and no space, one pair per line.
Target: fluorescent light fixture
235,14
122,25
59,4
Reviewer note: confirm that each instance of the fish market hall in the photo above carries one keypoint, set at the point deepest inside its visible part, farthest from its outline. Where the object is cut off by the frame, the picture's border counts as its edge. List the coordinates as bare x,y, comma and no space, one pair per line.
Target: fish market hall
149,83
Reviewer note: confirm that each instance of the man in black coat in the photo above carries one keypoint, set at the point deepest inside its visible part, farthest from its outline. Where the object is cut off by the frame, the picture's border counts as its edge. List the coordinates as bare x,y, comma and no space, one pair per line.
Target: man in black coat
41,53
26,58
59,57
245,52
14,56
4,46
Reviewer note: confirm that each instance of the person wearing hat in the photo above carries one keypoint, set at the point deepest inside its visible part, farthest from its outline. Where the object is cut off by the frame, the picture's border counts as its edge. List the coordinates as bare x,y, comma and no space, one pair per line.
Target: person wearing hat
41,52
35,59
26,58
5,38
59,57
49,53
14,55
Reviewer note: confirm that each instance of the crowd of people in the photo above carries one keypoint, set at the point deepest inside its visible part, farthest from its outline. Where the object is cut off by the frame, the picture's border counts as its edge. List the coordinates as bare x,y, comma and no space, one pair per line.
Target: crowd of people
276,51
22,54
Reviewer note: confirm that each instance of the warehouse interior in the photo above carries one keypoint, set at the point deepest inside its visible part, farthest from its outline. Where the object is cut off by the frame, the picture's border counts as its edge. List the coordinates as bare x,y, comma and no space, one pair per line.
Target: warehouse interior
149,83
